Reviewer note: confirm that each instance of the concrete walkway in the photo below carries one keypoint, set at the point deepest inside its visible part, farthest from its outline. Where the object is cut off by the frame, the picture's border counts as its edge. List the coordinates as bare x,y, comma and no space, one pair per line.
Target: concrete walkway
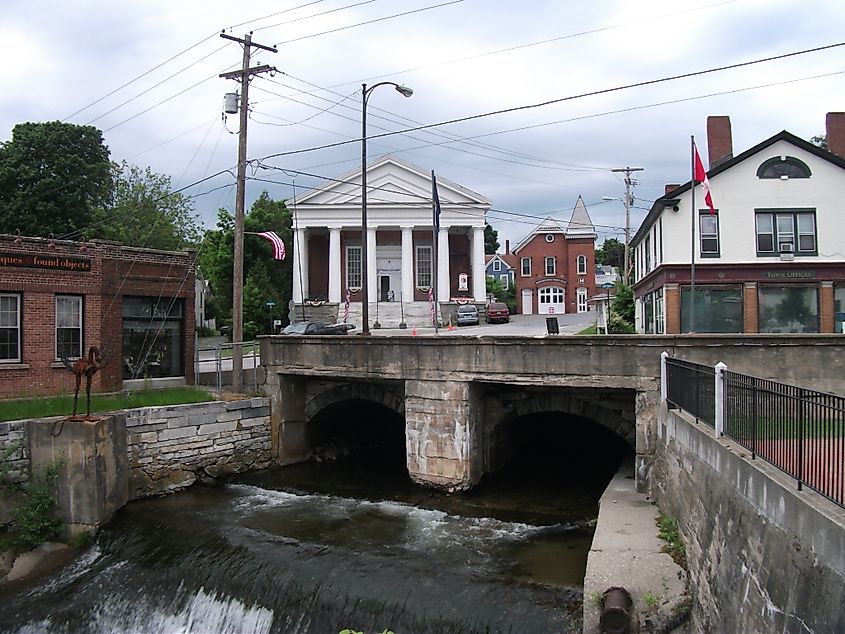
626,553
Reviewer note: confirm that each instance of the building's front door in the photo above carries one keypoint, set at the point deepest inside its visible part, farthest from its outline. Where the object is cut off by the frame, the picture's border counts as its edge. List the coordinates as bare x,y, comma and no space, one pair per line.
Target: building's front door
384,294
527,302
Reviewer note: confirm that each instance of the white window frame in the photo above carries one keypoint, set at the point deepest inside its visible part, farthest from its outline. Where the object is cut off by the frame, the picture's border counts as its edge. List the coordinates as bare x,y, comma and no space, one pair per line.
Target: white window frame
423,277
68,320
524,270
10,319
497,265
504,280
551,260
350,249
582,264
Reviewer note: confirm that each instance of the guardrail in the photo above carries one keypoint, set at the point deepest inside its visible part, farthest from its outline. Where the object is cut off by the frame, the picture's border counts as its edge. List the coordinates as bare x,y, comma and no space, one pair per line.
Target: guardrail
213,365
799,431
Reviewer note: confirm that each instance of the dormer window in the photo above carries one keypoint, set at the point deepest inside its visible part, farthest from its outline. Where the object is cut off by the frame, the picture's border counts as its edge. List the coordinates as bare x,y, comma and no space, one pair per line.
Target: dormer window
783,167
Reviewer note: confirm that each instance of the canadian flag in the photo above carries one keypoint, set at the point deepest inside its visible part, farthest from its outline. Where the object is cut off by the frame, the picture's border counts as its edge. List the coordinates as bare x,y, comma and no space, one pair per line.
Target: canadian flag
699,175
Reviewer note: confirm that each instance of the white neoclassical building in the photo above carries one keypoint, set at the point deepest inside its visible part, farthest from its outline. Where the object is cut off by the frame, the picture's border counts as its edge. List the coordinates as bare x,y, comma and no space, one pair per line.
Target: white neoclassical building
400,263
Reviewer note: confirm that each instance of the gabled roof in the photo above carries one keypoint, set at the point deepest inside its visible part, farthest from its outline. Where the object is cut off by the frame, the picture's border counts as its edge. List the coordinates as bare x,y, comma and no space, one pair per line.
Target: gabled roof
498,256
346,189
671,198
580,226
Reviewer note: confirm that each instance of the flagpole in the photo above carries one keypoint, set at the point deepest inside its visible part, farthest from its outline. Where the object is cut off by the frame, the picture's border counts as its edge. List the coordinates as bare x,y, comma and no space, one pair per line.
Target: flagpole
435,226
692,244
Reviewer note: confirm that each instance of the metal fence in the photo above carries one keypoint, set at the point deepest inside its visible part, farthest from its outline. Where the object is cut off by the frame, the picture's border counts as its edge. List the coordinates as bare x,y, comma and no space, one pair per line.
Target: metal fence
799,431
691,387
213,366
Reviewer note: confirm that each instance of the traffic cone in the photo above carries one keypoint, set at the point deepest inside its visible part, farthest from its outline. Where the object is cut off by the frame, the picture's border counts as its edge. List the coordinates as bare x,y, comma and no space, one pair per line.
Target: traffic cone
413,331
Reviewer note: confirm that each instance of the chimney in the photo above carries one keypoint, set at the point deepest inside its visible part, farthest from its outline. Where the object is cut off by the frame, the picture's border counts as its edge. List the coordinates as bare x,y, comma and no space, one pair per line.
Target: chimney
507,247
670,187
835,125
719,142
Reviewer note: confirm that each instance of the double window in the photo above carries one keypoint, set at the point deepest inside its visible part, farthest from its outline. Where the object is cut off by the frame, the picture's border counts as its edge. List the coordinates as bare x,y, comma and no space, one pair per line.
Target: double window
424,266
353,267
709,234
786,231
582,265
525,266
68,326
10,327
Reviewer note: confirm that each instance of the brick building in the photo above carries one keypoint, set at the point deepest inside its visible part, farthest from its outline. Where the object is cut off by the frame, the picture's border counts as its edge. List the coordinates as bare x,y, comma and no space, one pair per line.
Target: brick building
556,266
59,298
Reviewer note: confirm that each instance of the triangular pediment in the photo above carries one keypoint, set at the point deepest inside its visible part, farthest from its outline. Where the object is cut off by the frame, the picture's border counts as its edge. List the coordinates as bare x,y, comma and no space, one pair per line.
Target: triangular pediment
390,181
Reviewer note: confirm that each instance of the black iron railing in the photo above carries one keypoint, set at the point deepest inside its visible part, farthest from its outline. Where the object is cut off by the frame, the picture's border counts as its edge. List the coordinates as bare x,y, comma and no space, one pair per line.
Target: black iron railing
691,386
799,431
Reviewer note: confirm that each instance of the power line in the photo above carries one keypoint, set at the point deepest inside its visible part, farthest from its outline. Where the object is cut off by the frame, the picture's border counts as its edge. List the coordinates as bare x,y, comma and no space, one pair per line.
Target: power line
593,93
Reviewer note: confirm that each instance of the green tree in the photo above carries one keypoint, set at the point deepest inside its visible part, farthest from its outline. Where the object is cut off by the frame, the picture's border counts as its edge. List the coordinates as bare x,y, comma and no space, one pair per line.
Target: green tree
820,140
491,240
495,288
52,177
621,318
611,253
215,261
144,212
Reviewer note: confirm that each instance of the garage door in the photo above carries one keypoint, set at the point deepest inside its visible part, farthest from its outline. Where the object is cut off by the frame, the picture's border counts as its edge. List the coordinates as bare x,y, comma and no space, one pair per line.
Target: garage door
551,300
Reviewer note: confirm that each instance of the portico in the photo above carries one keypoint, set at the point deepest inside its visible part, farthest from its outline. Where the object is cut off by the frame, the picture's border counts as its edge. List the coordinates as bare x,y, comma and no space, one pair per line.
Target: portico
400,242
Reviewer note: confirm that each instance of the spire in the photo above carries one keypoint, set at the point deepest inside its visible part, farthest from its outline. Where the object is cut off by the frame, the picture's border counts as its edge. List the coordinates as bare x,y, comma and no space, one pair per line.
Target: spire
580,224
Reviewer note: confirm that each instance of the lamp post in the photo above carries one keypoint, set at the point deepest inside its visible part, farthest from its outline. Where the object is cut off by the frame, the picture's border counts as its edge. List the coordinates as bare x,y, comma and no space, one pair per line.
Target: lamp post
365,286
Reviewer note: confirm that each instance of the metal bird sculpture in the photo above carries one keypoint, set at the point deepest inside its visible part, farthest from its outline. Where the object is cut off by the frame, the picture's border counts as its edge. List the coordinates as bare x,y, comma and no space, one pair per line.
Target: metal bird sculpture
87,367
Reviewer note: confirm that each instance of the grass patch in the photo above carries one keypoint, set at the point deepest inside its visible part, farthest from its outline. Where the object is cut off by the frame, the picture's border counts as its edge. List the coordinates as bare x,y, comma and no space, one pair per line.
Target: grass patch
589,330
668,531
62,405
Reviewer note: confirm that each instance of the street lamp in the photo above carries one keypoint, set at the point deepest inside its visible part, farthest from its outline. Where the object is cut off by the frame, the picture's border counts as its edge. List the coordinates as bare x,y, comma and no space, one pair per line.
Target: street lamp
365,95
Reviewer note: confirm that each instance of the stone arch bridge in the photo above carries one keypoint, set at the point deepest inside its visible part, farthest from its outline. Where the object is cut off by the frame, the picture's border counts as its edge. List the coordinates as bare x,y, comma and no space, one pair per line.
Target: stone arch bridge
460,395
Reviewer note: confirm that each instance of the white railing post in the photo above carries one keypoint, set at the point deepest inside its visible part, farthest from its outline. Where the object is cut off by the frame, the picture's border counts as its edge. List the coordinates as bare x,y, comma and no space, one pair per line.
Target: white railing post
720,399
664,379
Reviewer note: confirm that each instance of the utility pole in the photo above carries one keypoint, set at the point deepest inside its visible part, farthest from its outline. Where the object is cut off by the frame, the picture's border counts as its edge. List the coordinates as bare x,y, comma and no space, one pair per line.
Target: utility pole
243,76
628,202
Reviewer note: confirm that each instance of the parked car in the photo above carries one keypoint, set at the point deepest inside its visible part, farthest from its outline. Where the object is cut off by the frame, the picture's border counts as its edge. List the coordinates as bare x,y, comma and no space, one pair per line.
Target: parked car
467,315
498,311
317,328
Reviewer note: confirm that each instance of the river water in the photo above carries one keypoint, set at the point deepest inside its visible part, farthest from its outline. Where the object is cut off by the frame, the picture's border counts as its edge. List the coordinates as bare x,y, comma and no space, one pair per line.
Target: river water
315,548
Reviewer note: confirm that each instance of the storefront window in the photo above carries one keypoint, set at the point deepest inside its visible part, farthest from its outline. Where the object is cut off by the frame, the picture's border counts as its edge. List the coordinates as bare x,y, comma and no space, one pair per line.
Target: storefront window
788,308
717,308
153,337
839,308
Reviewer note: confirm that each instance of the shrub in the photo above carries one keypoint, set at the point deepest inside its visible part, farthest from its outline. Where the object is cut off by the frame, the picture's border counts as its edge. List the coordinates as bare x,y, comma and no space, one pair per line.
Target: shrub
35,520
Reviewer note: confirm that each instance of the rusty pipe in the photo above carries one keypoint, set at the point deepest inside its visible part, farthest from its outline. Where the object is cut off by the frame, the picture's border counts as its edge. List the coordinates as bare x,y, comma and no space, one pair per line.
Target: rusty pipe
615,615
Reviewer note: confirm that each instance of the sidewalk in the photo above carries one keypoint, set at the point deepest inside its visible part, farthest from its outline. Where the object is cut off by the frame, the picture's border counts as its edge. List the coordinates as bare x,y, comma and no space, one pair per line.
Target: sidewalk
627,553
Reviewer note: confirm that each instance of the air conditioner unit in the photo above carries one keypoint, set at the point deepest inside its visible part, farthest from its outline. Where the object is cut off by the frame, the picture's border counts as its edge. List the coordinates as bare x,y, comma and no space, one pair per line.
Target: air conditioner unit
786,247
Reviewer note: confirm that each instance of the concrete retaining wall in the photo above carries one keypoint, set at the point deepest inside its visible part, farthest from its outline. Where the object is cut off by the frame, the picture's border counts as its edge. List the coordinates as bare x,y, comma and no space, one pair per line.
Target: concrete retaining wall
16,464
171,447
763,556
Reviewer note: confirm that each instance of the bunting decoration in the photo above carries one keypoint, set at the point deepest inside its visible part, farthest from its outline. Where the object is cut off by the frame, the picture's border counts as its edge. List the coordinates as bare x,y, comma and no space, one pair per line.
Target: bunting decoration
278,246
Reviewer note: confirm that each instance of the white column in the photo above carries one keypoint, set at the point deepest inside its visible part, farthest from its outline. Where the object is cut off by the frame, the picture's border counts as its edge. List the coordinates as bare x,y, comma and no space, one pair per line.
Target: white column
479,286
334,265
444,282
372,282
407,264
300,267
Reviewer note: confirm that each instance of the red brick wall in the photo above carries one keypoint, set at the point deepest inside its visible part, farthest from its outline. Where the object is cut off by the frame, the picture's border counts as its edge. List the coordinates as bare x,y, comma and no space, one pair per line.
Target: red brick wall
116,271
566,252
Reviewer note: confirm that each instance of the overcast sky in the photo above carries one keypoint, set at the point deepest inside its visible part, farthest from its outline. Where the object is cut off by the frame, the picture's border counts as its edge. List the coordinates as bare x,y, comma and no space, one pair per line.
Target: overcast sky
146,73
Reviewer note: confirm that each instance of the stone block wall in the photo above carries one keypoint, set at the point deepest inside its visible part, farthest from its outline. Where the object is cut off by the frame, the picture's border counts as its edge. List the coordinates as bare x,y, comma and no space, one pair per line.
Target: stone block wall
16,465
170,448
763,556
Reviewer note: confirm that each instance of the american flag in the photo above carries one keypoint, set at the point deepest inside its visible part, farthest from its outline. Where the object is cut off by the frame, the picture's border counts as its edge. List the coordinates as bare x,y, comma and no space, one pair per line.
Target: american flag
278,245
346,307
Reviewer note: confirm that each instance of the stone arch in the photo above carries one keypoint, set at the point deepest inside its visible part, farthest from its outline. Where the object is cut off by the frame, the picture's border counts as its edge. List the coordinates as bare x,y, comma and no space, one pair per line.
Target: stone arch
610,413
389,396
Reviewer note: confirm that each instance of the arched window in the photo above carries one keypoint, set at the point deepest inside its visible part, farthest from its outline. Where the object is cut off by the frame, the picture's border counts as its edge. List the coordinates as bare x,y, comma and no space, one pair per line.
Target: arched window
783,167
582,265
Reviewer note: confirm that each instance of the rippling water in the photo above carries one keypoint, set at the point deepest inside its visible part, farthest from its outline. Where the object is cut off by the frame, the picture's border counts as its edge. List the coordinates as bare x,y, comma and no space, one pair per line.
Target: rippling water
316,548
